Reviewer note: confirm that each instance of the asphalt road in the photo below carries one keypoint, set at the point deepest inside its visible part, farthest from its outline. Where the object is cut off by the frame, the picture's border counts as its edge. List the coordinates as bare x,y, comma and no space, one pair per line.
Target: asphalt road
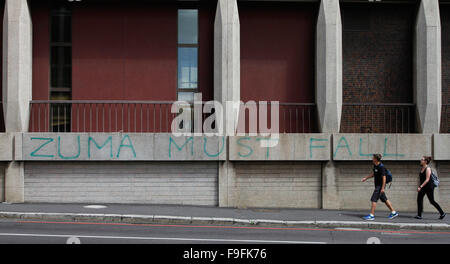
26,232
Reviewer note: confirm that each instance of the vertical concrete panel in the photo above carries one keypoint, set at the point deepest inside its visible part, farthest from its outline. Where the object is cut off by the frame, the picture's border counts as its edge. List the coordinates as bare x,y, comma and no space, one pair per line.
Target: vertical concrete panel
276,184
427,67
329,66
17,65
227,81
17,85
2,182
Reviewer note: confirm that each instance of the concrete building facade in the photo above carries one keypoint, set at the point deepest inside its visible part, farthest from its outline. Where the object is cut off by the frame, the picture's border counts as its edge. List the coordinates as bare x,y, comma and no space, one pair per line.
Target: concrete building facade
88,86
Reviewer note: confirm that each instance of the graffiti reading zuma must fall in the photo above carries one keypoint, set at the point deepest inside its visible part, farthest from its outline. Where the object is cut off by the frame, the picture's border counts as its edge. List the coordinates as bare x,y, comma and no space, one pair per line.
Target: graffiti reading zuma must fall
122,147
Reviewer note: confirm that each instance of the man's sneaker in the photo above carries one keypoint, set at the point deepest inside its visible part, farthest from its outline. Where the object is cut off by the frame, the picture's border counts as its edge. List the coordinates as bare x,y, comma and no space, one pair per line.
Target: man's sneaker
369,217
392,215
442,216
418,217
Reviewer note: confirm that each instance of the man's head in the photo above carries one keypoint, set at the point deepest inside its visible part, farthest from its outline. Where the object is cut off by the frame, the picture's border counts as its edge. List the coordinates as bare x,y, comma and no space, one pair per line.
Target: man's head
376,158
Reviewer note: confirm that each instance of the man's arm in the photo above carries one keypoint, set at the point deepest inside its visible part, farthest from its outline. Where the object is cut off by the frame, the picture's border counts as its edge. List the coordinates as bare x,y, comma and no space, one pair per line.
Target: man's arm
384,184
366,178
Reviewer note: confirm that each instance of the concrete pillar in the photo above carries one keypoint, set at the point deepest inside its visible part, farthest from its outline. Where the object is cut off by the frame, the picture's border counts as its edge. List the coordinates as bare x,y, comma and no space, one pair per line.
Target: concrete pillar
329,66
329,88
17,85
330,199
427,67
227,81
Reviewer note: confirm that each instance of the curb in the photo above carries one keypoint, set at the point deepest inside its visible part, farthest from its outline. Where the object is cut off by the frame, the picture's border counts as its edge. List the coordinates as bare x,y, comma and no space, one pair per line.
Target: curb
165,219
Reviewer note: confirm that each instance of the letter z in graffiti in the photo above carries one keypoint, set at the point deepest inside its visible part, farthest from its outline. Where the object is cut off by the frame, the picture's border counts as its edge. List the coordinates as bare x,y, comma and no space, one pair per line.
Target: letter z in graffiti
47,141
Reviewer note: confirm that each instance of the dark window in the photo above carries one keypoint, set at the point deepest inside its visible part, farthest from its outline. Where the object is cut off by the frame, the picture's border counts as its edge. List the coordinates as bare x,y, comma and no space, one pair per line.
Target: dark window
60,67
187,54
356,18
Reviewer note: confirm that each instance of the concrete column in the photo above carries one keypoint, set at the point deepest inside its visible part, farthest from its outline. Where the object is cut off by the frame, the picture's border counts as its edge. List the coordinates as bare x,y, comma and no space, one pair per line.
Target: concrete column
330,199
329,66
329,88
17,85
427,67
227,81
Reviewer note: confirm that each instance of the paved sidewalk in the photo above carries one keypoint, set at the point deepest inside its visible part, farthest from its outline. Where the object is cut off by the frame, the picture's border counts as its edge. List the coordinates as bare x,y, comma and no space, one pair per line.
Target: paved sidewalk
154,214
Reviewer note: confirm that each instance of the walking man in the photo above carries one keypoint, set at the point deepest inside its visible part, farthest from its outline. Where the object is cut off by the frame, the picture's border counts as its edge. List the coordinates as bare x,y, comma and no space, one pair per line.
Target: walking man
379,173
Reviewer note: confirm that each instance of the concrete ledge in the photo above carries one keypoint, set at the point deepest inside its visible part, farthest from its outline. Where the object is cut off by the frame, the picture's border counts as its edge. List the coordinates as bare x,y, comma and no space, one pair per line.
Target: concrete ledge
164,219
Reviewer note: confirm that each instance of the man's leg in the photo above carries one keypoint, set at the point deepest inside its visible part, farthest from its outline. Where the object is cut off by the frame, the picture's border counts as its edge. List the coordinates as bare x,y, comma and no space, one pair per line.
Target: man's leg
389,205
373,207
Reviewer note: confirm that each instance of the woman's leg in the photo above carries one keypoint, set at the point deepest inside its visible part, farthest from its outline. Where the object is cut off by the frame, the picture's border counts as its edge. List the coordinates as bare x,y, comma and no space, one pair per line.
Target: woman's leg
430,195
420,196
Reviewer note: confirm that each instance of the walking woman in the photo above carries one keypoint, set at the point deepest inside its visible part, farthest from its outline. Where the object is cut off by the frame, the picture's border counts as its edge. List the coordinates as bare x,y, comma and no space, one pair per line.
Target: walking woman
426,188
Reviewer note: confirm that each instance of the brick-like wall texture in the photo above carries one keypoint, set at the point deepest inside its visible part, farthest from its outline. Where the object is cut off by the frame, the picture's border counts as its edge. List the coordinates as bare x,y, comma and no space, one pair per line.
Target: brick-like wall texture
355,195
445,24
377,67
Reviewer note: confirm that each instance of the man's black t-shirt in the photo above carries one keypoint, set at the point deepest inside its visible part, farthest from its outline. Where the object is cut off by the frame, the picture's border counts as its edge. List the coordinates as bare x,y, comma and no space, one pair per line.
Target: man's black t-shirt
378,172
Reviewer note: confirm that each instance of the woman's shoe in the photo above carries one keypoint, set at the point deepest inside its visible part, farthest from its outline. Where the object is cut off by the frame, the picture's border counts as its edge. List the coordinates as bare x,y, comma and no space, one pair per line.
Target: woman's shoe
442,216
418,217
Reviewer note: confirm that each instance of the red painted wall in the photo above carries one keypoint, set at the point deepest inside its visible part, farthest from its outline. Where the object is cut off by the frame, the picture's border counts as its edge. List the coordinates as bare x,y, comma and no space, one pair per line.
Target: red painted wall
277,51
2,121
277,59
124,52
40,15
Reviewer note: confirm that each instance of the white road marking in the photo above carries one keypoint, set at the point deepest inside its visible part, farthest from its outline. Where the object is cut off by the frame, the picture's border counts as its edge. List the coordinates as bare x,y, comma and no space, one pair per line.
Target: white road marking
166,238
395,234
348,229
94,206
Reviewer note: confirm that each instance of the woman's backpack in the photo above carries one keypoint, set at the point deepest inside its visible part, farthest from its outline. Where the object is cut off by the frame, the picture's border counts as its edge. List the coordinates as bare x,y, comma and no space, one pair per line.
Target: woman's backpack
434,178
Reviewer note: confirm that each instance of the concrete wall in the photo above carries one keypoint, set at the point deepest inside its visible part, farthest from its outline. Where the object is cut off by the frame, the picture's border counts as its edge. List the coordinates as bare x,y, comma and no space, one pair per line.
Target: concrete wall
300,171
391,146
285,147
120,182
354,194
443,192
2,181
276,184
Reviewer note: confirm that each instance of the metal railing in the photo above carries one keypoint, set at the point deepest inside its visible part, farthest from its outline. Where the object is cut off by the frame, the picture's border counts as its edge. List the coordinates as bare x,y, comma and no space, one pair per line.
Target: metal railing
445,118
142,116
293,118
378,118
298,118
101,116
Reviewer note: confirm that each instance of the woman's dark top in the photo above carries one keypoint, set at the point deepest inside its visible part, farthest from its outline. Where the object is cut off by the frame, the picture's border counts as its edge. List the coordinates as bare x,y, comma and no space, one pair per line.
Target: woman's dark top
423,178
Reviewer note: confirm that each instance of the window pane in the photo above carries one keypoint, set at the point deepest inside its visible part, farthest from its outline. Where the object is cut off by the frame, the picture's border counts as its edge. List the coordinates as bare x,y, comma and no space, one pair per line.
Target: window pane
186,96
61,56
61,28
187,68
61,77
187,26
